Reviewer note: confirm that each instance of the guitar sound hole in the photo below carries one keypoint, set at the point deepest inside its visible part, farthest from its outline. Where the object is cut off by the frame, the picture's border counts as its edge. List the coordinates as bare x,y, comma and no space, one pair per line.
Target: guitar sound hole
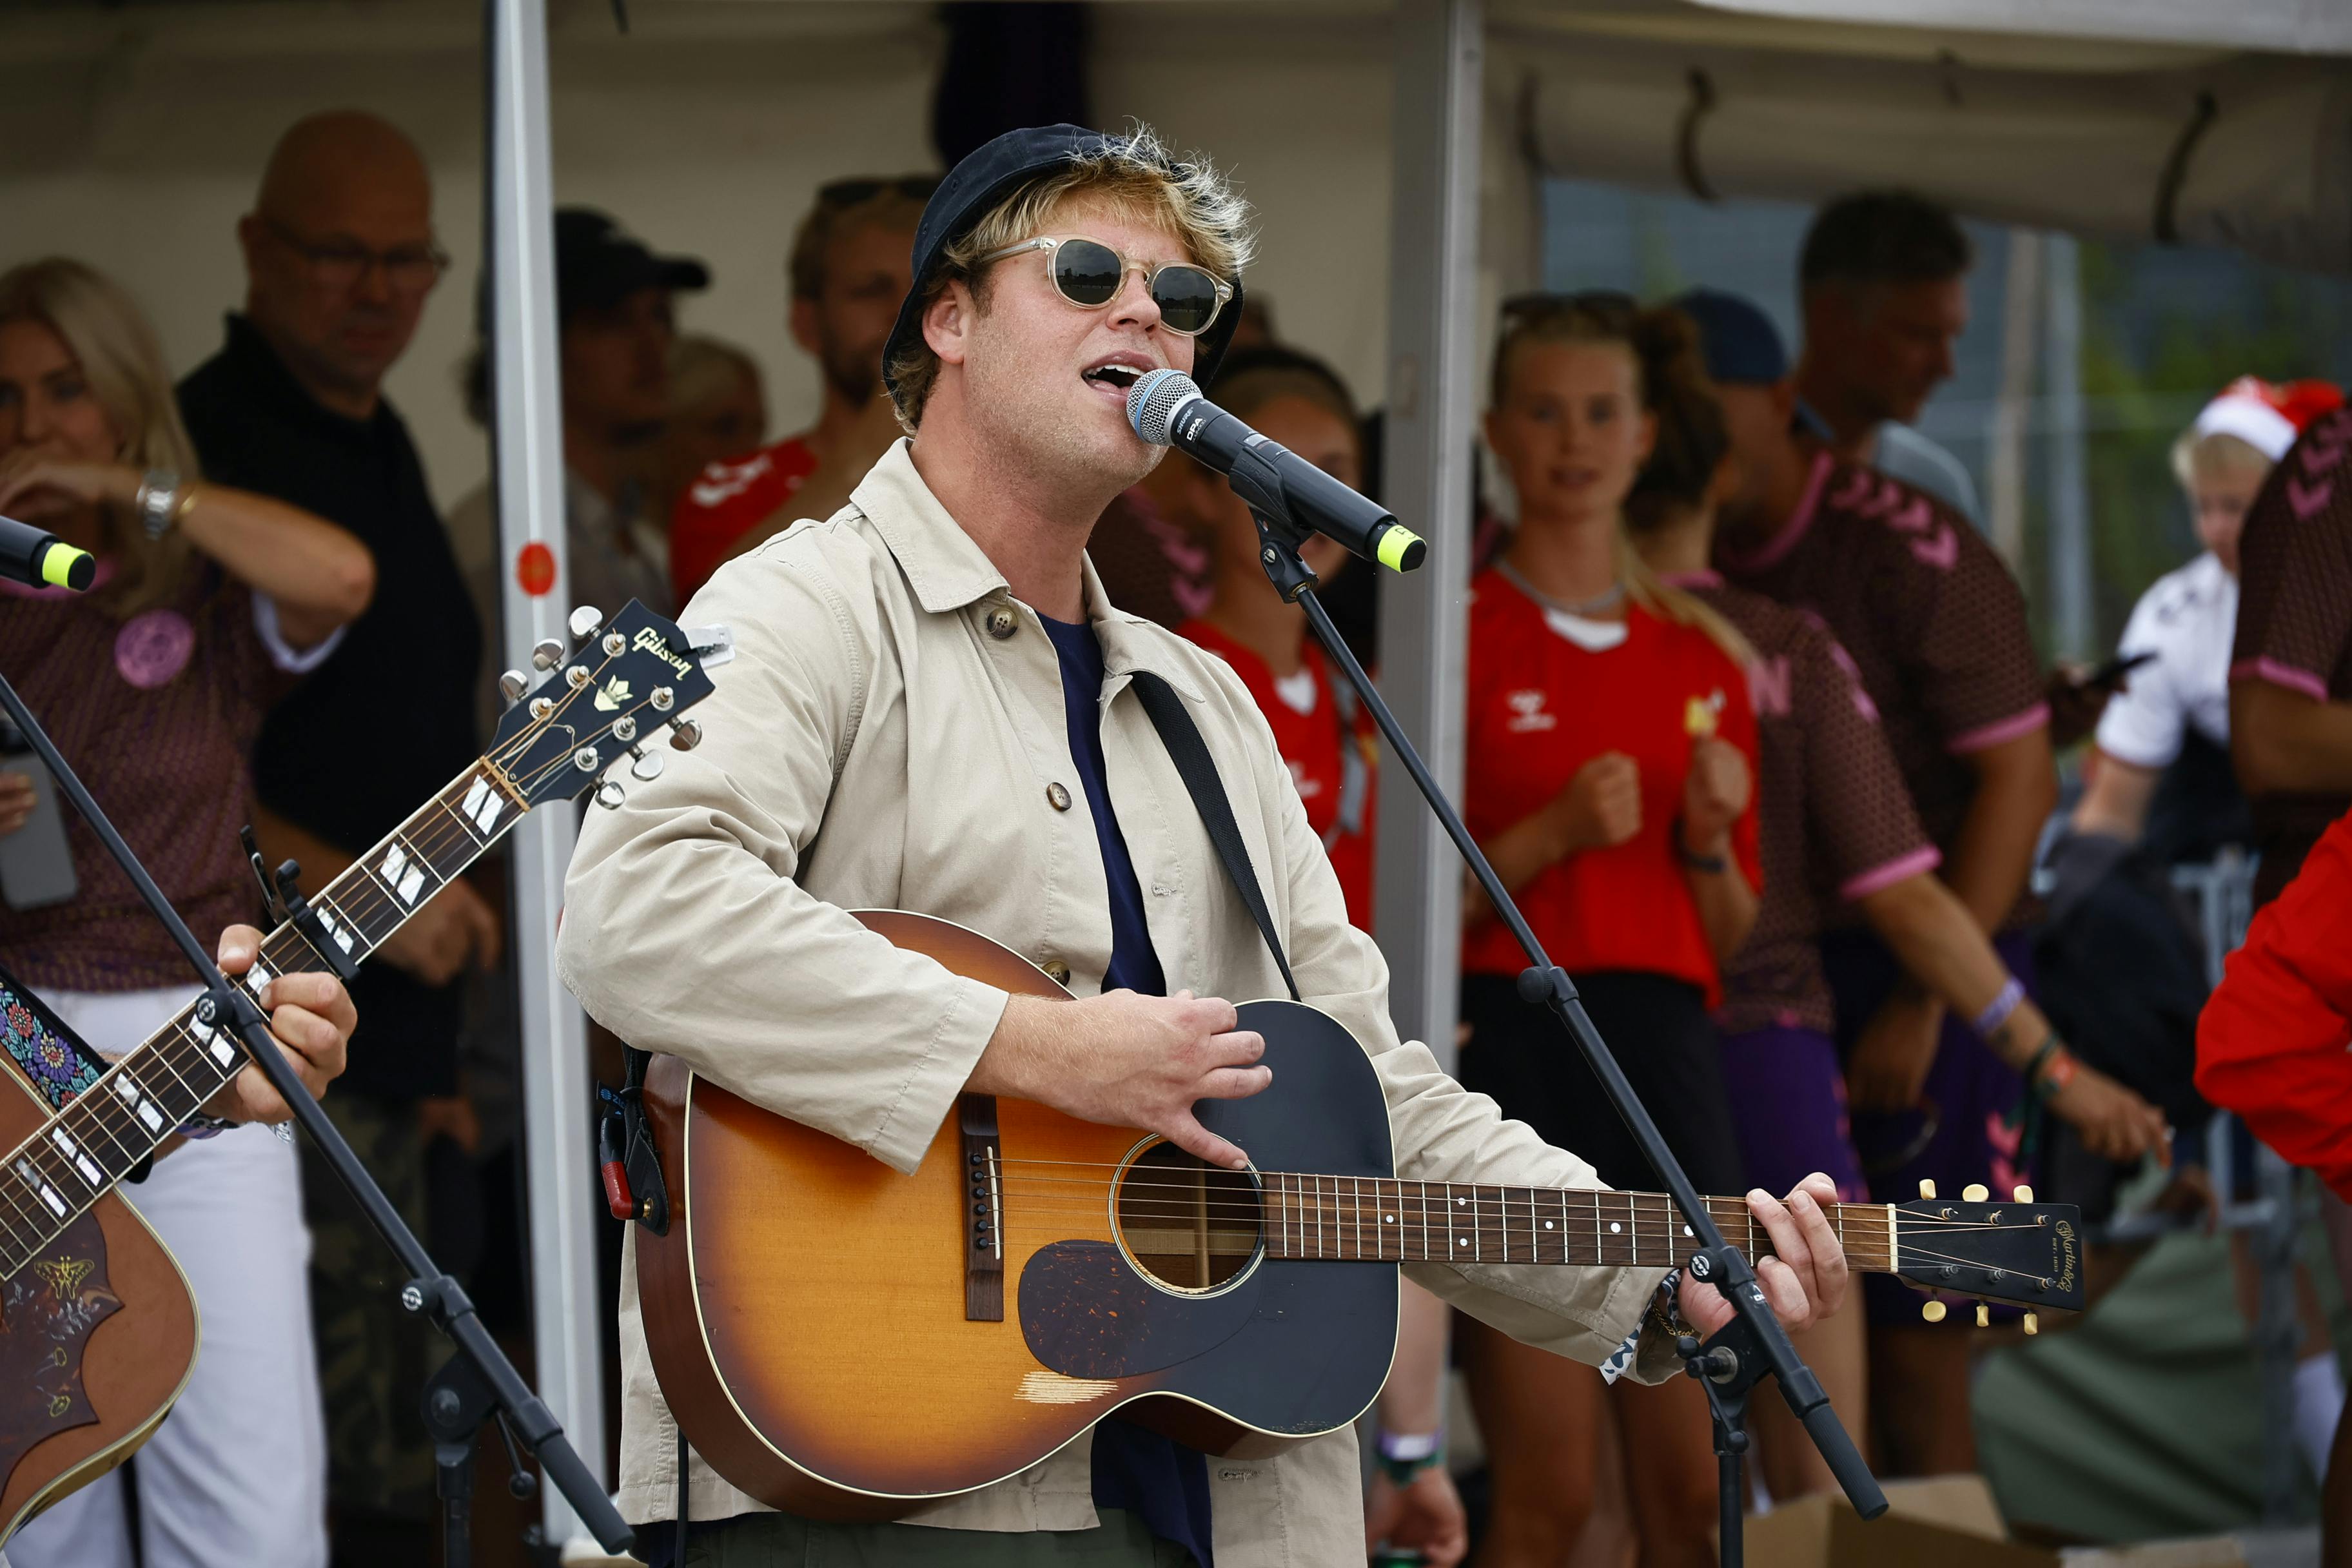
1186,1226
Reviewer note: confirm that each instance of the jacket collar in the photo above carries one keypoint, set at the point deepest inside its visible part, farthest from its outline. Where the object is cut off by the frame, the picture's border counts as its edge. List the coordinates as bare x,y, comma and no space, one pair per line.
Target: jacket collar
947,571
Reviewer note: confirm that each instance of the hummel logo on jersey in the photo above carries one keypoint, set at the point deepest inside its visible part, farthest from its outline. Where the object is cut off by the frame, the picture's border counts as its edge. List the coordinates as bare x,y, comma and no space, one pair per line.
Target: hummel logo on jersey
1528,713
720,481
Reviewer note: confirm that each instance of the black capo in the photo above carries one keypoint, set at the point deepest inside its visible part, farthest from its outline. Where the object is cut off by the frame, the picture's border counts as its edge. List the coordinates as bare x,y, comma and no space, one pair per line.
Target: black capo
284,900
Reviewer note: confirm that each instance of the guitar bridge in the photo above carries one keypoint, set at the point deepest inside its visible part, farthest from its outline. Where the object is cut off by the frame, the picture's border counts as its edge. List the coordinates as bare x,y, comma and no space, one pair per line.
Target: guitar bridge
982,1188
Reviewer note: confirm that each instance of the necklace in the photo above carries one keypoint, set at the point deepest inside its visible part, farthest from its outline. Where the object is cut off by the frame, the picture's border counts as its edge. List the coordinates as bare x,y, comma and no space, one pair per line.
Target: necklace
1603,601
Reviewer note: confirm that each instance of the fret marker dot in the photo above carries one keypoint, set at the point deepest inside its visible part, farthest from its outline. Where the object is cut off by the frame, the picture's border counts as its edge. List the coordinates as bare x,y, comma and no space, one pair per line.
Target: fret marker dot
1547,1225
1459,1202
1387,1219
1614,1227
1687,1230
1461,1241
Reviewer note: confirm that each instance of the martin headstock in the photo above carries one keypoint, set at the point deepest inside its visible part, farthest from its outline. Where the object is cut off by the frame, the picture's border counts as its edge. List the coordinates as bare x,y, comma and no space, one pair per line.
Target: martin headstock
609,698
2019,1251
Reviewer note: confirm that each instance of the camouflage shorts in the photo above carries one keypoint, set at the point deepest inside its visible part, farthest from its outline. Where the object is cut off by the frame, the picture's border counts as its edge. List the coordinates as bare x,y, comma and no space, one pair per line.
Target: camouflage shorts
373,1357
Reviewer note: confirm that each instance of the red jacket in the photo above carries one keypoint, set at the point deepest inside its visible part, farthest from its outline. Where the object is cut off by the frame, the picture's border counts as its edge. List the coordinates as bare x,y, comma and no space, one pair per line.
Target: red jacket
2272,1042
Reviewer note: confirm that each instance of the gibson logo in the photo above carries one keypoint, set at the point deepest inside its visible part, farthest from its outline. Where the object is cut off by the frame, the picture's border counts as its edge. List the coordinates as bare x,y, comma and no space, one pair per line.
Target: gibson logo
2064,1256
650,641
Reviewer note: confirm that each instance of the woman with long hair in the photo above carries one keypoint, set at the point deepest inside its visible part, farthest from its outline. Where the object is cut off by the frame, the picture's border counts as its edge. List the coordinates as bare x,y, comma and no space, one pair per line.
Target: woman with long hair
1612,750
153,684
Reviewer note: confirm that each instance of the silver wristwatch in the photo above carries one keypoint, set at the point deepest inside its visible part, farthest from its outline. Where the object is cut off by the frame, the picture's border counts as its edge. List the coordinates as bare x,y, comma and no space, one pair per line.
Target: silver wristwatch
158,502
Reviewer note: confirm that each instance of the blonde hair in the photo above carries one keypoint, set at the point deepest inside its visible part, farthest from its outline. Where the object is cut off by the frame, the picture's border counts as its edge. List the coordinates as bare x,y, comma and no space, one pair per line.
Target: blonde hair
2196,457
115,349
1664,349
1134,176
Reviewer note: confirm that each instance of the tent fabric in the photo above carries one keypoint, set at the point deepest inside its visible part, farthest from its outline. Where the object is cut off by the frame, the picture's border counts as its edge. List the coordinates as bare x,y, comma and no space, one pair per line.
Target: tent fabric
2252,151
2313,26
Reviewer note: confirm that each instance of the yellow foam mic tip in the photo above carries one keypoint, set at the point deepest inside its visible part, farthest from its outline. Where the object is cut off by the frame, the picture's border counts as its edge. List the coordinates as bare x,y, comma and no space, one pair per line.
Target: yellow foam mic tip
63,566
1401,549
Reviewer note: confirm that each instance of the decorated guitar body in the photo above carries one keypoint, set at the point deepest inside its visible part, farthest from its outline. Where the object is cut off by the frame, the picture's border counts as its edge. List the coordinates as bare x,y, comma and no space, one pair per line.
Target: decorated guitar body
842,1342
97,1337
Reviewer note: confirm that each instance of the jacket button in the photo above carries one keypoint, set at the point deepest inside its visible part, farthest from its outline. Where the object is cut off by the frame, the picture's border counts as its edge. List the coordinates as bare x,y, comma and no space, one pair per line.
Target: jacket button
1057,797
1001,623
1056,970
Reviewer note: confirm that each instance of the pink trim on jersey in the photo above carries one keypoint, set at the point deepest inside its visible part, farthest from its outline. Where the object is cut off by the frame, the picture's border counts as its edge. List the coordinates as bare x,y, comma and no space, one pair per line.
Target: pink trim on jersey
1794,529
1902,868
2035,718
1702,578
2279,674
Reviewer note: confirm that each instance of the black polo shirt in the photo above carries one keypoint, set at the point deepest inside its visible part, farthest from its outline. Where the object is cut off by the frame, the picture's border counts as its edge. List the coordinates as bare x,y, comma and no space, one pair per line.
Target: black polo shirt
389,719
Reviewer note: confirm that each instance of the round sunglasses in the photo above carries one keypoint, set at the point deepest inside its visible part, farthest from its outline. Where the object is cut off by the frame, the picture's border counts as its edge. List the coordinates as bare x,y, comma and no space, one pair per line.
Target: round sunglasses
1088,274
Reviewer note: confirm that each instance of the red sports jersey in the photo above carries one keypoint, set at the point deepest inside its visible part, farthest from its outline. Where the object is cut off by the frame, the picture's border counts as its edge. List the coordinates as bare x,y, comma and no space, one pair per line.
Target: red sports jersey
1932,619
2272,1042
1834,819
1329,740
1540,707
2294,615
726,502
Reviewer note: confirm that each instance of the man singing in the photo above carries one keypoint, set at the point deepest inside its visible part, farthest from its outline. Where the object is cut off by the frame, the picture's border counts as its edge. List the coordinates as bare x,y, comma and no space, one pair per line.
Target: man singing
931,709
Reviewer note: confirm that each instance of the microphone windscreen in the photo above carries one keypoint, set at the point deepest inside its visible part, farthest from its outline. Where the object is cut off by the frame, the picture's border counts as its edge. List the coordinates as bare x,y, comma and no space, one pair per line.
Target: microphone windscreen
1153,400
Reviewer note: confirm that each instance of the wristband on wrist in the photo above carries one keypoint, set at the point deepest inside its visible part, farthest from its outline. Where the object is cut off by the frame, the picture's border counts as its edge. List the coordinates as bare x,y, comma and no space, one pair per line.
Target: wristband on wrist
1715,865
2052,1069
1999,1010
158,502
1404,1454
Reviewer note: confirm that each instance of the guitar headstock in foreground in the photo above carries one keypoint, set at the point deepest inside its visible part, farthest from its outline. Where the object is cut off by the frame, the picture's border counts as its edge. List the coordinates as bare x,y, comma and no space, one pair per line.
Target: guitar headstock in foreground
622,680
2019,1251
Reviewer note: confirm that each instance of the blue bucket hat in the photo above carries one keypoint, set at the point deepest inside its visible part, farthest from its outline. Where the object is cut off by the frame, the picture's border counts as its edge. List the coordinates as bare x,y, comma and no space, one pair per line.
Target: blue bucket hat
988,175
1738,340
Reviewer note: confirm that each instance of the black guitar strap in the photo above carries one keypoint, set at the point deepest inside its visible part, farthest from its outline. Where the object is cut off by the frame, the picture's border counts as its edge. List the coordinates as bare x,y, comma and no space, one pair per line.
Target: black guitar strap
1198,771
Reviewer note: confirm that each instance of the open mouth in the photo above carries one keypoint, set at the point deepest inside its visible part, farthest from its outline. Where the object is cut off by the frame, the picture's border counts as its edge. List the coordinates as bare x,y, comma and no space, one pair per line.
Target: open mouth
1117,376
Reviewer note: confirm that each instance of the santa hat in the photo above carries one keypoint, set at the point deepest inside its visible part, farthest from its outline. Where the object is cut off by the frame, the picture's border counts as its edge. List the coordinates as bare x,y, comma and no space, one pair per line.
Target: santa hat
2264,414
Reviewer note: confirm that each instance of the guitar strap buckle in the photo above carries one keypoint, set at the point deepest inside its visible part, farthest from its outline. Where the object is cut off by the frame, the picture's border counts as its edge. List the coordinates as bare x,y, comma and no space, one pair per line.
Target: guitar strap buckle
627,1164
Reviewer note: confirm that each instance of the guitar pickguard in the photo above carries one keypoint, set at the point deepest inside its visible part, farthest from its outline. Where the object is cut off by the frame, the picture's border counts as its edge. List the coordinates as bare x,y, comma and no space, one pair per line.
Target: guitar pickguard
1085,1314
46,1313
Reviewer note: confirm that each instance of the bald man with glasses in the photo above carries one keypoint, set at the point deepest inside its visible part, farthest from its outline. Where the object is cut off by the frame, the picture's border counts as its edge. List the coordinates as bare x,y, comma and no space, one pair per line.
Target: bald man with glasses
340,260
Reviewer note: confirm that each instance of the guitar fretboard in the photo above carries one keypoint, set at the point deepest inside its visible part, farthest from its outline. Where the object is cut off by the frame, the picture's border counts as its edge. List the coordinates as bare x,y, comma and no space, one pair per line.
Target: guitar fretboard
1363,1218
102,1134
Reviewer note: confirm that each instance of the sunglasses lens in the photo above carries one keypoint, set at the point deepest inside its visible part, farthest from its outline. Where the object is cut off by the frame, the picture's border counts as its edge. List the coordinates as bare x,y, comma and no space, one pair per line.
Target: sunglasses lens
1187,298
1088,273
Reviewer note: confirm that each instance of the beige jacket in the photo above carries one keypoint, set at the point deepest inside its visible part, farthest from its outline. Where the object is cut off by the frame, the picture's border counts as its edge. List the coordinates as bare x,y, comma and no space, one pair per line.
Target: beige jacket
885,737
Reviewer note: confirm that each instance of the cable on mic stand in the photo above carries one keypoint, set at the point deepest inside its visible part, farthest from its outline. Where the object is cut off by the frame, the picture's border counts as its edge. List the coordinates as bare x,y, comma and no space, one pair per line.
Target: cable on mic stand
1753,1345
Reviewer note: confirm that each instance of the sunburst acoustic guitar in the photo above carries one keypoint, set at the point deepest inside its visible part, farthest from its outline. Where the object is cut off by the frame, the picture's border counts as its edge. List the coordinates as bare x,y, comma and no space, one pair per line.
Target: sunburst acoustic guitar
98,1329
843,1341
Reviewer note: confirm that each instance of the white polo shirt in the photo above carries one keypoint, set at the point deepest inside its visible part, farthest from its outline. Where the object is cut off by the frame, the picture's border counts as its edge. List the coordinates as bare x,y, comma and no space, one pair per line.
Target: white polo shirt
2187,619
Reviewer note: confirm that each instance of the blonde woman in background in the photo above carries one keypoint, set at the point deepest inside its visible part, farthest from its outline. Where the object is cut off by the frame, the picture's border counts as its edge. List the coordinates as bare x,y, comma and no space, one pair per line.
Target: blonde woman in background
208,600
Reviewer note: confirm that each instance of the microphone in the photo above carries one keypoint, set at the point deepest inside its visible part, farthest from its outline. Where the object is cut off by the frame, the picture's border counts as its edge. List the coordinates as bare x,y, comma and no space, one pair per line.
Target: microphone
1167,409
44,560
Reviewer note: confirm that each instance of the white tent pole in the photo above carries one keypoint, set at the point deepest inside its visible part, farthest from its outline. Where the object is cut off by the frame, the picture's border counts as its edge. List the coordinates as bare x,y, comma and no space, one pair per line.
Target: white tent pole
2071,616
1432,406
518,192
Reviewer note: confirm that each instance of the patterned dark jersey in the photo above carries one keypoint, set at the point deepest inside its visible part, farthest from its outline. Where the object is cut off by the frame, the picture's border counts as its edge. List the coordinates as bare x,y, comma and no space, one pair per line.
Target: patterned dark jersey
2295,616
1933,622
1834,817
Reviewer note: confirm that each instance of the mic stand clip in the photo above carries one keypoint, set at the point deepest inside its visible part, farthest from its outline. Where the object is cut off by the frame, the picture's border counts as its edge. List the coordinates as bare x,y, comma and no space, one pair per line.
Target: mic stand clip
1753,1345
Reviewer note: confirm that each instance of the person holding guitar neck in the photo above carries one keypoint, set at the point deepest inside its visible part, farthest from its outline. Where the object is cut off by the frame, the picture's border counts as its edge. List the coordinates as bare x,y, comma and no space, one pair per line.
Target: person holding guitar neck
932,706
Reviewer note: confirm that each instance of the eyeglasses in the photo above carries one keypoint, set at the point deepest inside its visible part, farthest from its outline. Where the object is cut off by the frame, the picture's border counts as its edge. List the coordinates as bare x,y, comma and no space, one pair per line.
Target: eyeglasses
858,191
1089,274
340,264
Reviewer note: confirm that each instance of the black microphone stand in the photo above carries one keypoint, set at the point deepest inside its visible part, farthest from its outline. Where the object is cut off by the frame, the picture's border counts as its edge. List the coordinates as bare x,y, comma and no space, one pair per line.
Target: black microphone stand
479,1383
1753,1345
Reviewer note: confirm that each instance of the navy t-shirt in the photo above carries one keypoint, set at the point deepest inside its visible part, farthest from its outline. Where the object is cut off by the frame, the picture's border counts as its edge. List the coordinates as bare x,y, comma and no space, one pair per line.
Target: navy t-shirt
1161,1481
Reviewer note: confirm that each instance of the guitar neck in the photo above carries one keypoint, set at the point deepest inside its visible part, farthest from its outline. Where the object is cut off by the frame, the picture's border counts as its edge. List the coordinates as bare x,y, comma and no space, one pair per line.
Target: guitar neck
102,1134
1364,1219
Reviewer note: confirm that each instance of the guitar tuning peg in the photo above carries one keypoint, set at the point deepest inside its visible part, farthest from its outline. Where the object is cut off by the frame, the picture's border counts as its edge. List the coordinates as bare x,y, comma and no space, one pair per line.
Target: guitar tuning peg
648,764
2033,1323
609,795
584,620
2022,1194
1932,1310
1984,1316
512,685
1926,1190
546,653
684,734
1974,1193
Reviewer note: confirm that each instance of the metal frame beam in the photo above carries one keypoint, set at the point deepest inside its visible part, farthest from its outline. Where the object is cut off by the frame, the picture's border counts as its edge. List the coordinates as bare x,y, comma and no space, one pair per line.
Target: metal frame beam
527,442
1432,402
